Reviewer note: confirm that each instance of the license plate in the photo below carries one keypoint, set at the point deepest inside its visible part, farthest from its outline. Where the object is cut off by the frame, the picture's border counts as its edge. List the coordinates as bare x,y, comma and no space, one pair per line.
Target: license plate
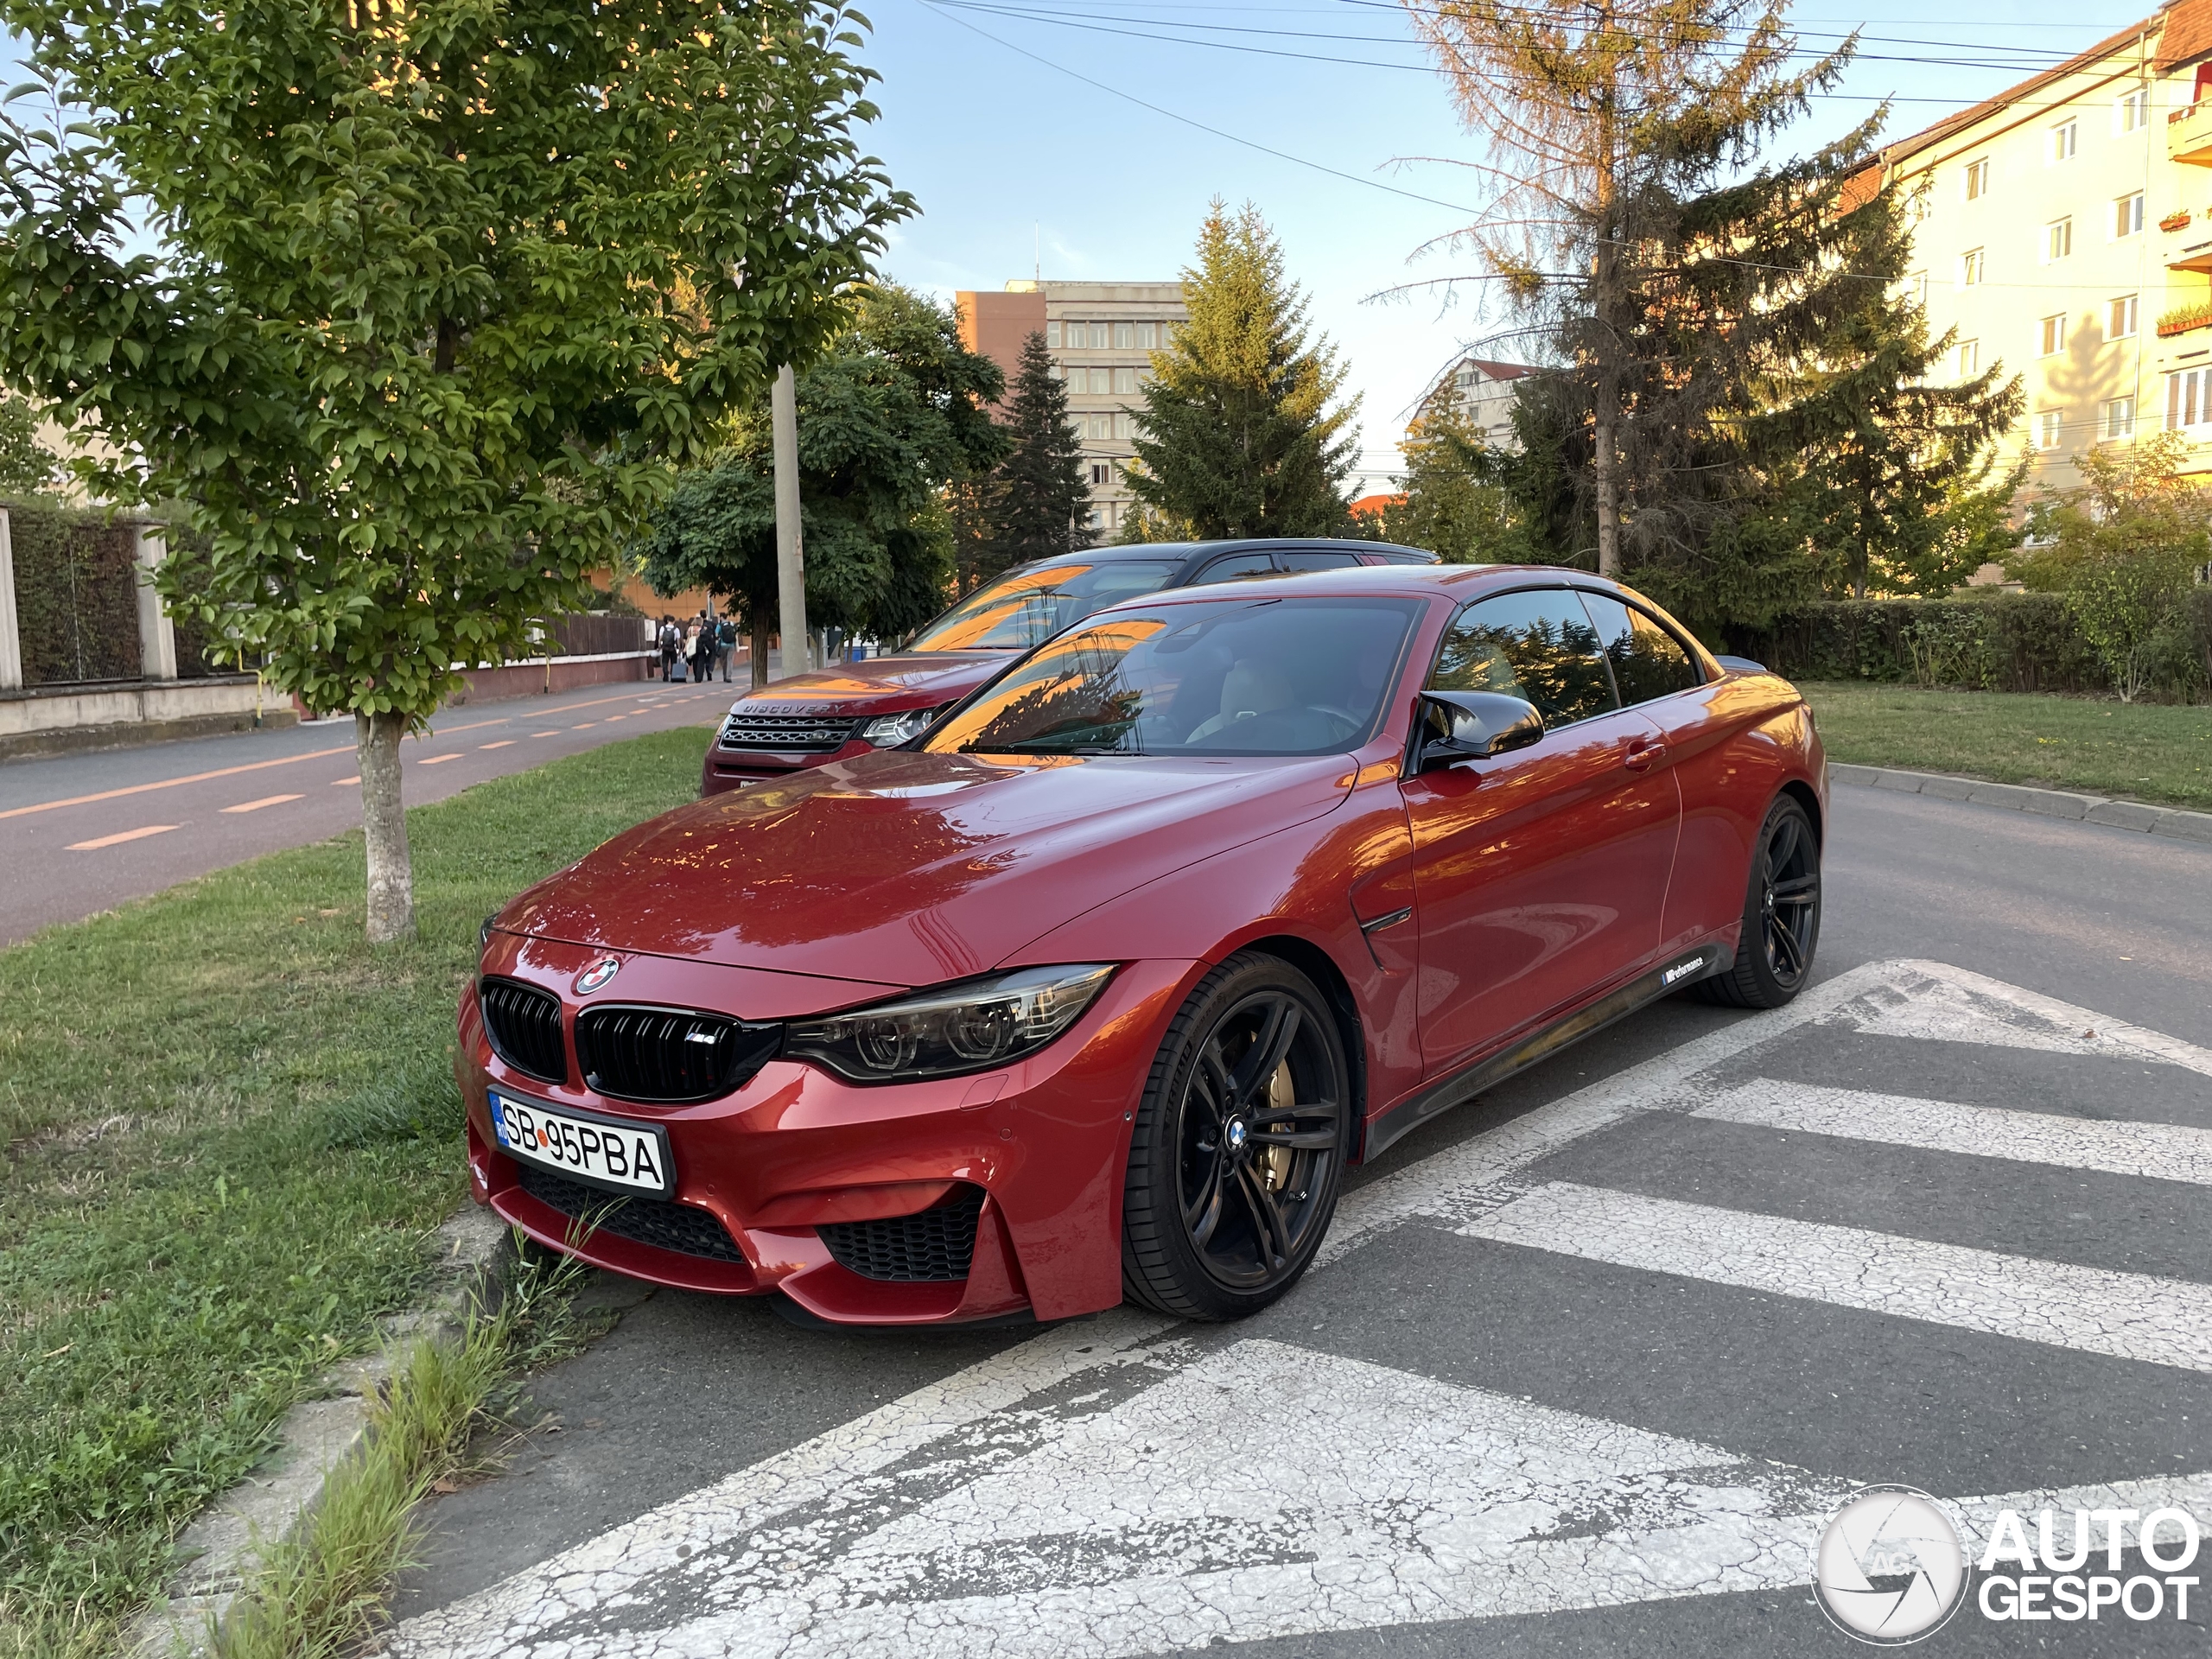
633,1157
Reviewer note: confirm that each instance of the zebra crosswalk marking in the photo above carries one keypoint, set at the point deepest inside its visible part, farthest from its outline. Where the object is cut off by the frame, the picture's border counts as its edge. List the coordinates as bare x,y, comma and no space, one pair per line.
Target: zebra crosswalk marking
2164,1152
2122,1315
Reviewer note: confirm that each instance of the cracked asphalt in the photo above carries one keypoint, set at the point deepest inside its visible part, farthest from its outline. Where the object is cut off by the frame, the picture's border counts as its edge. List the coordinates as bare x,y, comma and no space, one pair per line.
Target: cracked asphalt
1583,1370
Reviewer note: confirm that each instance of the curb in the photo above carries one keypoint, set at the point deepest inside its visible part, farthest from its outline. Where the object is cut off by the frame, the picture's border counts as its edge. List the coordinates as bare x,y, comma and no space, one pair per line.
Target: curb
2049,803
220,1550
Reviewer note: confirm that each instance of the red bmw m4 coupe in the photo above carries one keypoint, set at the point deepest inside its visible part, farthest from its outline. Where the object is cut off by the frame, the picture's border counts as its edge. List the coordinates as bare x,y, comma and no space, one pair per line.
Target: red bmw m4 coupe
1094,988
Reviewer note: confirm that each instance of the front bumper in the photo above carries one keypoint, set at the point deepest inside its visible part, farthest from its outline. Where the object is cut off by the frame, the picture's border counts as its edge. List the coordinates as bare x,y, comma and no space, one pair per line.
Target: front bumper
1042,1141
725,769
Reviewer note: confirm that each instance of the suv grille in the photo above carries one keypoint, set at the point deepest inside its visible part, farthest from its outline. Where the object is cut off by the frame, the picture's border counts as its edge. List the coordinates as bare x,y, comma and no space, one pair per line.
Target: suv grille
669,1054
939,1244
682,1227
525,1025
812,733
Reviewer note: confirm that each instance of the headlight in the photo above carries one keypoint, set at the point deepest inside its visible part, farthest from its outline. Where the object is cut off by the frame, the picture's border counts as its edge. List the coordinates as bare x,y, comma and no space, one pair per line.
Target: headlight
890,730
969,1026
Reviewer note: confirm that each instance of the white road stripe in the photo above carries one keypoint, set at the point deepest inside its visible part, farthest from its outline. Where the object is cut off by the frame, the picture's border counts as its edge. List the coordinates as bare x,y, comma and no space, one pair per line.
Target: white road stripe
2123,1315
1934,1000
2164,1152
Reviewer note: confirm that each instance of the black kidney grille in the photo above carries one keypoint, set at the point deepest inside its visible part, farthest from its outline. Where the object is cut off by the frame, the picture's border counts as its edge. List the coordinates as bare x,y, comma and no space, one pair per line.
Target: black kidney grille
811,733
669,1054
939,1244
525,1025
682,1227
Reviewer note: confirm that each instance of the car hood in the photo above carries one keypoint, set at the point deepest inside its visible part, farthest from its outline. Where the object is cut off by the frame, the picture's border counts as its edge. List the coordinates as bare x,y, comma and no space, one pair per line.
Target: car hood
881,685
900,866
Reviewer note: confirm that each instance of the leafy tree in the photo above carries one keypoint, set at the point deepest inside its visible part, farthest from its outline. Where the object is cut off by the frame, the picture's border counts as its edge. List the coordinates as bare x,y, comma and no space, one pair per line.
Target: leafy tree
440,290
1452,504
1639,239
1241,434
27,469
1038,492
2124,547
895,411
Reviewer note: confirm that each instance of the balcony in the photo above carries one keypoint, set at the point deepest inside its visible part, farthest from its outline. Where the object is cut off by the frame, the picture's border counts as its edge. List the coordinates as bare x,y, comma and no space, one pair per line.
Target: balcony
2197,256
2189,135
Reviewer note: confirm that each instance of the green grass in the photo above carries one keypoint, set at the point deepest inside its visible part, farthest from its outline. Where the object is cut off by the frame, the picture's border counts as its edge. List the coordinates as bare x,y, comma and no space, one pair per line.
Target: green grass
230,1128
2150,752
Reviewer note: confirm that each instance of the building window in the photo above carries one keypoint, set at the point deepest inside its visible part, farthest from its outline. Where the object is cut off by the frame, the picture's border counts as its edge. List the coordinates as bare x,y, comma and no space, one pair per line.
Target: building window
2054,334
2119,318
1101,336
1977,179
1970,266
1148,336
2064,140
2047,426
1125,425
1052,335
1125,336
1125,380
1918,288
2120,418
2057,240
1101,473
2127,215
2189,399
2133,113
1969,359
1097,519
1101,426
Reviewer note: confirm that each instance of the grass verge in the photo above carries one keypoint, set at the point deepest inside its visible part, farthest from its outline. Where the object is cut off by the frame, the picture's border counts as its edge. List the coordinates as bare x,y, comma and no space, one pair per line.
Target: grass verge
2149,752
321,1592
231,1131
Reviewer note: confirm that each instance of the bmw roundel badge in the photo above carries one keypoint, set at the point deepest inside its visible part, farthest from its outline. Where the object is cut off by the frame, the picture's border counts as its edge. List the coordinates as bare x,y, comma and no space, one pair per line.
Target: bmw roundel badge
597,974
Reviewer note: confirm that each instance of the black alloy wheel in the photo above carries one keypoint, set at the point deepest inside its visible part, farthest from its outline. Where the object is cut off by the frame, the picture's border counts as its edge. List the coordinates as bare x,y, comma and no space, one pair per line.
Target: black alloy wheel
1239,1147
1781,915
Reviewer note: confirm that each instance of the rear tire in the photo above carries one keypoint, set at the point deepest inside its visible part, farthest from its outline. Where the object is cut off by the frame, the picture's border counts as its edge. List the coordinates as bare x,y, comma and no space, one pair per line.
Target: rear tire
1239,1147
1781,916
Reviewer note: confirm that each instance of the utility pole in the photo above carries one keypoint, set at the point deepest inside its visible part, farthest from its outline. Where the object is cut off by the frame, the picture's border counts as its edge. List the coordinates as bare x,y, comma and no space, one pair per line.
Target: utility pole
791,554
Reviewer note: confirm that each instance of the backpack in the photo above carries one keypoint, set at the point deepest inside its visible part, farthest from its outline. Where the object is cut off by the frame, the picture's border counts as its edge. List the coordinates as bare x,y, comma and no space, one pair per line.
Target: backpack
726,633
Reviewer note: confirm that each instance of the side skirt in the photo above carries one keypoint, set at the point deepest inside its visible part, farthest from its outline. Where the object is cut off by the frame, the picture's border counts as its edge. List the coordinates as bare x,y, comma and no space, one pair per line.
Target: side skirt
1461,1086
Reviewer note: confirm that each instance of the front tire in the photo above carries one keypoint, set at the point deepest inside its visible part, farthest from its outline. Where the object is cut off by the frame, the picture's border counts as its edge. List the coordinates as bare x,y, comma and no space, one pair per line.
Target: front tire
1781,915
1238,1151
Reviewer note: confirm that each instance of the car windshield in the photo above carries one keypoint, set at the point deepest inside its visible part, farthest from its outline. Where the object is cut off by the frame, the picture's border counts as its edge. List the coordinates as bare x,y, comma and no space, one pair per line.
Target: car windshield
1222,677
1026,607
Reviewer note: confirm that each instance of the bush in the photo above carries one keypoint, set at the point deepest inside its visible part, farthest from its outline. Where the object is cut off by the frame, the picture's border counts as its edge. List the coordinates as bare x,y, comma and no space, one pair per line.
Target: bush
1987,642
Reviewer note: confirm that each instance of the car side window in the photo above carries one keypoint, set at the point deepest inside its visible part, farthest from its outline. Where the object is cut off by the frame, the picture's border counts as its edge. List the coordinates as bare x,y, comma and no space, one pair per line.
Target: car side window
1317,561
1648,661
1538,646
1234,565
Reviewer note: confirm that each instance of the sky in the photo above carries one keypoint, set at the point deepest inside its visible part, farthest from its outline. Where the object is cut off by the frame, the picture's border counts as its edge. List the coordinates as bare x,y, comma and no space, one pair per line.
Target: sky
1084,139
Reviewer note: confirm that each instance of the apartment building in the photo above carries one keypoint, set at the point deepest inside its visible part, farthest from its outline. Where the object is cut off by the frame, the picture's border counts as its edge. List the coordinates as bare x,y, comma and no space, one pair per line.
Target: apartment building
2064,231
1484,390
1102,336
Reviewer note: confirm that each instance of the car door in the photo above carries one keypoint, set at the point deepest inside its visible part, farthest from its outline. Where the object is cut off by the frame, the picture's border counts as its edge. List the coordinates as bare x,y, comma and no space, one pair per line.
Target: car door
1539,877
1724,789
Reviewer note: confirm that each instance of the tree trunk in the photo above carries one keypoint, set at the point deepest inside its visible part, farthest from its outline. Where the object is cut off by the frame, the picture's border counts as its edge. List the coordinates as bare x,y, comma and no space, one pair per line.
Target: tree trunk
1603,463
759,649
384,825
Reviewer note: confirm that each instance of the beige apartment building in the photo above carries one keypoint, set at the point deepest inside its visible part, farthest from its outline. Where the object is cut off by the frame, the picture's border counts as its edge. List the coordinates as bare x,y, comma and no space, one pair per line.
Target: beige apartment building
1102,336
2065,233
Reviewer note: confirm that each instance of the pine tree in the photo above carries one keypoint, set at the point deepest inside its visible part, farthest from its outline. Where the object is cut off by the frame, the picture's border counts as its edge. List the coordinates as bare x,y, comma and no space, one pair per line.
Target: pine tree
1241,432
1037,493
1450,505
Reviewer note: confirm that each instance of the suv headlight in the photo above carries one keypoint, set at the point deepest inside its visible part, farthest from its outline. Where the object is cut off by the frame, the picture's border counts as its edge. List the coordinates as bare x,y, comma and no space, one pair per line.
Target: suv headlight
971,1026
888,731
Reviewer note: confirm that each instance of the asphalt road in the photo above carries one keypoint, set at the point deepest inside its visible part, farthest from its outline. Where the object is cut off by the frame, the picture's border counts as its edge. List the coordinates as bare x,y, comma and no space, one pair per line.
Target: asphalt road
1584,1368
100,829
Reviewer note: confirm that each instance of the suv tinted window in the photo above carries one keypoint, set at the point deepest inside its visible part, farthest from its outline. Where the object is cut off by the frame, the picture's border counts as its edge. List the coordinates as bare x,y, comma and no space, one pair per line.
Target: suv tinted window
1316,561
1235,565
1538,646
1648,661
1025,607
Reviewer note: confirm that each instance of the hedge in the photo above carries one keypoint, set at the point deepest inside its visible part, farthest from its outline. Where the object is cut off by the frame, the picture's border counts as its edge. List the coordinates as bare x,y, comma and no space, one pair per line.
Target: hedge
76,595
1992,642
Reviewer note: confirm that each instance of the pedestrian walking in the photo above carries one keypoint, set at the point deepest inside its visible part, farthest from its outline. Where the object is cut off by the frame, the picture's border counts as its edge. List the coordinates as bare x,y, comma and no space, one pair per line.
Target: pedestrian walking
670,643
702,648
725,645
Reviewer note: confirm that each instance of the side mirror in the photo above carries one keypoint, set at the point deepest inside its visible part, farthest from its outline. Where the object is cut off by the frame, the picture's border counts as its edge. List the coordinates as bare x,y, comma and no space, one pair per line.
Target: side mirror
1457,726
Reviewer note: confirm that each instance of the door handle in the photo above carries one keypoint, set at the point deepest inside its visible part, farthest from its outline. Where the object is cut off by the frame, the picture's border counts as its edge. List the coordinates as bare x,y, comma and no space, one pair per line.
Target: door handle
1643,752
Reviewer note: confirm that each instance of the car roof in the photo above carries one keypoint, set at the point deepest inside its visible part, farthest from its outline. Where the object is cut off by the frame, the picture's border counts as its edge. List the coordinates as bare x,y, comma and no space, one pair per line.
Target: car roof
1459,581
1184,551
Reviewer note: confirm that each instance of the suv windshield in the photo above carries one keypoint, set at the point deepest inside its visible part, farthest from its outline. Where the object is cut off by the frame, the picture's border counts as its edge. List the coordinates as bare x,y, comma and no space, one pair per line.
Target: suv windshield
1222,677
1026,607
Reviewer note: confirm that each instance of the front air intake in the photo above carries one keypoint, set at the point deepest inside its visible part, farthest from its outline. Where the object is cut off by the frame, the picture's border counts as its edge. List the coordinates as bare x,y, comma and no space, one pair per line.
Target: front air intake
524,1023
669,1055
939,1244
684,1227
